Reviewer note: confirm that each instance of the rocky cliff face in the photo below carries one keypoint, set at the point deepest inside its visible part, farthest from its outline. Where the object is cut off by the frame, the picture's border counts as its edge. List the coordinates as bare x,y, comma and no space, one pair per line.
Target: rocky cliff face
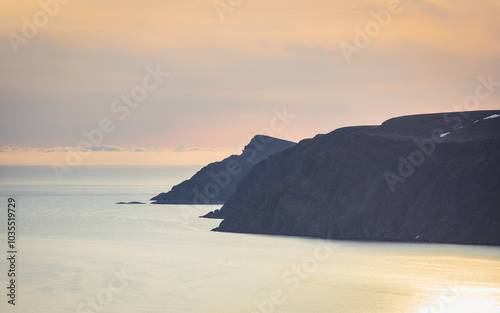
214,183
426,178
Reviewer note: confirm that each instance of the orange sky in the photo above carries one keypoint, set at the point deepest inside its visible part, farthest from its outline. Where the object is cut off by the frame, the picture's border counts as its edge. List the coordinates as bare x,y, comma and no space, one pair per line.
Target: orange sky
124,156
228,77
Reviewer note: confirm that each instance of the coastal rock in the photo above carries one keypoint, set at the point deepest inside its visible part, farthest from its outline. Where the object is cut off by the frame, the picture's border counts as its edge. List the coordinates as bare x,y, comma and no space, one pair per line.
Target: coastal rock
214,183
133,202
421,178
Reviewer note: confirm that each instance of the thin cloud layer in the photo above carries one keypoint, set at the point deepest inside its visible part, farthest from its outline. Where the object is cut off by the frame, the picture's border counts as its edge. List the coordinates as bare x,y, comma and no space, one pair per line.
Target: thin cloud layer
8,149
180,149
109,155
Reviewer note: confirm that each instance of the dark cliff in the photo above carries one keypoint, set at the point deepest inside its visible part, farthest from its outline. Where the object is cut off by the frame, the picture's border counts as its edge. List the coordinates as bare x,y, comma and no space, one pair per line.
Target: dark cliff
214,183
426,178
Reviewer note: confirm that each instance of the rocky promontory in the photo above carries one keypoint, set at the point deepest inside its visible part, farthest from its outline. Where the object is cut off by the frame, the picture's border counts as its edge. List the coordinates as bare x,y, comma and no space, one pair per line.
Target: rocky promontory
420,178
214,183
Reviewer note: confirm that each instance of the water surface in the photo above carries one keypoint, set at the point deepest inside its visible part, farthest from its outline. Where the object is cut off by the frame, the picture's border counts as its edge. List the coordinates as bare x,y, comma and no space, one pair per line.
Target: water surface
81,252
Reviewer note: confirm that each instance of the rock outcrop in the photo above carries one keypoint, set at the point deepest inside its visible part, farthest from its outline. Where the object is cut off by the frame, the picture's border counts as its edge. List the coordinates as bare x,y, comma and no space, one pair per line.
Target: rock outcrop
423,178
132,202
214,183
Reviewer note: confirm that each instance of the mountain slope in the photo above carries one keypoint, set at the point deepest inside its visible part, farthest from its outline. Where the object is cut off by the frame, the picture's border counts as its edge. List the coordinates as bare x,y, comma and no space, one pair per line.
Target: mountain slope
431,178
214,183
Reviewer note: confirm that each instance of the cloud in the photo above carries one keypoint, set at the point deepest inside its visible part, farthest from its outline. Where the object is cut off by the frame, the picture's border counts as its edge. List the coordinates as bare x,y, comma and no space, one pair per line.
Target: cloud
194,149
16,149
180,149
49,150
103,148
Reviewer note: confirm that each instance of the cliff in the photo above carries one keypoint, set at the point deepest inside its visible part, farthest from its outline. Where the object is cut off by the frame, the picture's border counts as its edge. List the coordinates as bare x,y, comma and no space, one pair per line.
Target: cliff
423,178
214,183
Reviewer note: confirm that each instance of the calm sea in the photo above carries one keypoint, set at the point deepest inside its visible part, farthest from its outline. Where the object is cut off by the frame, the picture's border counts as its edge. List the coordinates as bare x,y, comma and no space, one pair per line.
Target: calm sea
79,251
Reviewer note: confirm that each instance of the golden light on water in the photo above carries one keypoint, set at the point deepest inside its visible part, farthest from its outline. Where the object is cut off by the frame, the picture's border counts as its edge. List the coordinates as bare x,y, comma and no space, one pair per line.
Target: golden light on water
463,299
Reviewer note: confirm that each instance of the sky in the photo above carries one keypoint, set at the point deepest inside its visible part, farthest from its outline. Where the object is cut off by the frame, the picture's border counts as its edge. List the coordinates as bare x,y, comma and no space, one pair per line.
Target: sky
192,81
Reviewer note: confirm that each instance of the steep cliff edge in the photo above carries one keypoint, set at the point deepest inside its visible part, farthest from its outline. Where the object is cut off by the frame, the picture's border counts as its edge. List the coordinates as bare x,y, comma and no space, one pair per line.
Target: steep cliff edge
214,183
426,178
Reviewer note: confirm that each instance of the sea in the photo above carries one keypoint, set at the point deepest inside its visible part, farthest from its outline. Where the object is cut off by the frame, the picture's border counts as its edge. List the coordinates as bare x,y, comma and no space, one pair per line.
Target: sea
74,249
